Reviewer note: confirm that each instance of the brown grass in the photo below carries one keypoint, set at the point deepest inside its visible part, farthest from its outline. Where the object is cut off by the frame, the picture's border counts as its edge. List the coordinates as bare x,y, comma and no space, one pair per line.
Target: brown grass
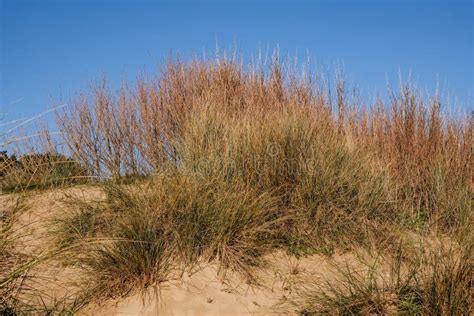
212,161
426,155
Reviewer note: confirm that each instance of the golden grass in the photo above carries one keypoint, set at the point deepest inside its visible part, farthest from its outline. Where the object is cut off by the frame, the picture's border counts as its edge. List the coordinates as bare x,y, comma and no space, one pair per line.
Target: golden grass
216,162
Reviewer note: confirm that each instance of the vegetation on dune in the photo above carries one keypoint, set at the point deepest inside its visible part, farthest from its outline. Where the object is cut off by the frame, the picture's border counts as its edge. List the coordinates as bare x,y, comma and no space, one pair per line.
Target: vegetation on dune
218,114
170,225
215,162
19,281
38,171
324,186
409,281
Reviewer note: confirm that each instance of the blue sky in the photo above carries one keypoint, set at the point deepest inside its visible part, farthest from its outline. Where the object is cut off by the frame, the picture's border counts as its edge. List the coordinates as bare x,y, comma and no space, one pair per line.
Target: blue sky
50,49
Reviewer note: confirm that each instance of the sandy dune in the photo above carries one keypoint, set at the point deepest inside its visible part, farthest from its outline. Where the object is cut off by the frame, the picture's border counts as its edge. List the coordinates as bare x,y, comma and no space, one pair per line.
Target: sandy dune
201,293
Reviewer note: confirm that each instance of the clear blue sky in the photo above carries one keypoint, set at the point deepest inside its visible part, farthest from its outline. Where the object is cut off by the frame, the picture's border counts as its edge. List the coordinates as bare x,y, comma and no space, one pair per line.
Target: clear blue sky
54,48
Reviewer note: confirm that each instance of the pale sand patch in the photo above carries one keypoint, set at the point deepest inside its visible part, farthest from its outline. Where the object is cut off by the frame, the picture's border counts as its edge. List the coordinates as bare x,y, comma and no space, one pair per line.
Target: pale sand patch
203,293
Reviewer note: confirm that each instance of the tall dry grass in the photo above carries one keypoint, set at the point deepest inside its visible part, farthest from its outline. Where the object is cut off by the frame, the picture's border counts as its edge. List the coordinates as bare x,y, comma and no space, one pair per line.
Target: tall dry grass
220,112
237,162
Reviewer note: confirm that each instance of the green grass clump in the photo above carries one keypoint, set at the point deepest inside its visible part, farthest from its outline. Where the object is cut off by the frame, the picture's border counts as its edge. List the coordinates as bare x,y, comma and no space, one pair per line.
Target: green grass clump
424,282
333,192
231,223
134,255
173,222
81,222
